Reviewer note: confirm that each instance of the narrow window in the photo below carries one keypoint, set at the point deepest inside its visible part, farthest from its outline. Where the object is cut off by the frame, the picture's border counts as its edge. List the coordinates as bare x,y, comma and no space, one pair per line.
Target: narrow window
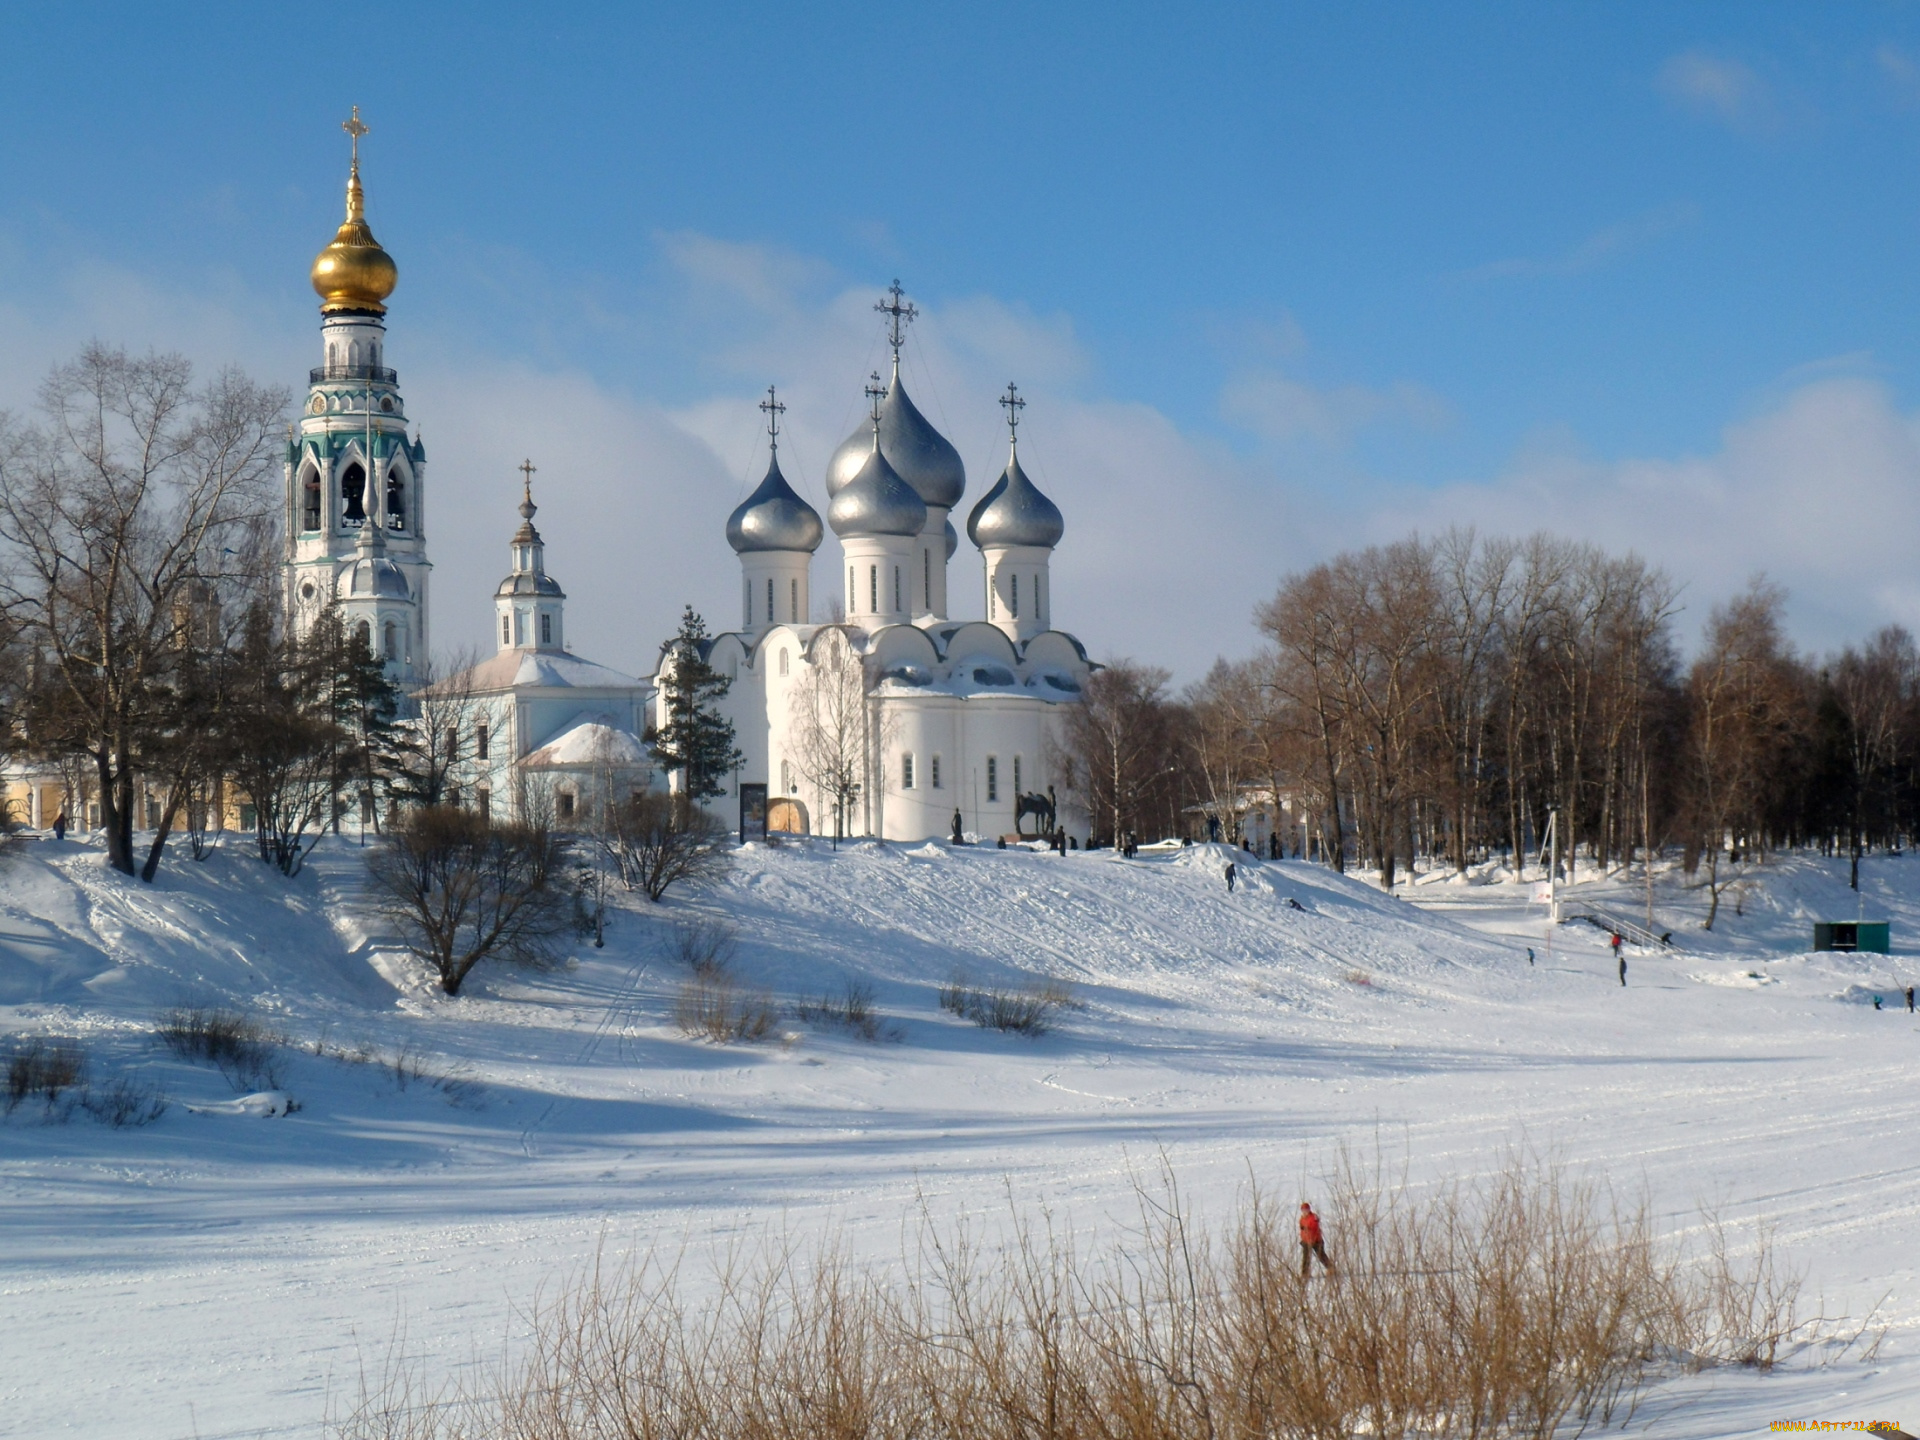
453,744
505,638
769,600
396,500
453,796
933,771
1017,791
365,631
746,604
896,589
392,651
793,601
853,595
310,498
786,777
783,662
1013,608
993,601
926,562
993,777
483,802
873,589
481,737
353,488
519,627
546,628
906,770
563,805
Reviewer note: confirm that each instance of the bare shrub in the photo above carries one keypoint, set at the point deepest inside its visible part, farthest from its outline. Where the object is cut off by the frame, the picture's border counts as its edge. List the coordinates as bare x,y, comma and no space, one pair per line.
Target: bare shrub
1529,1305
241,1047
712,1006
660,841
463,889
702,946
1359,977
851,1008
125,1104
1026,1009
39,1069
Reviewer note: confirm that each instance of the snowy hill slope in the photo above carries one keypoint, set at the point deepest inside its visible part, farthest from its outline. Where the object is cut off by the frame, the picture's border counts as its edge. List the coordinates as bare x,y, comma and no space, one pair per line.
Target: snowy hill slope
1235,1034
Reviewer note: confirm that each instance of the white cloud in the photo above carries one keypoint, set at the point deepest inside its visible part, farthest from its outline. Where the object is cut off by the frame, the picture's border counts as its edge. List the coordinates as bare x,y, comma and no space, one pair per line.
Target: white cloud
1718,87
1279,408
1599,248
1821,490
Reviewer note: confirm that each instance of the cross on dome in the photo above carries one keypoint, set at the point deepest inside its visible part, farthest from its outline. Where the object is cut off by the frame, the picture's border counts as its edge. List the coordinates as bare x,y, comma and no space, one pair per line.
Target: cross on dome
527,471
356,127
899,316
876,392
1014,405
773,410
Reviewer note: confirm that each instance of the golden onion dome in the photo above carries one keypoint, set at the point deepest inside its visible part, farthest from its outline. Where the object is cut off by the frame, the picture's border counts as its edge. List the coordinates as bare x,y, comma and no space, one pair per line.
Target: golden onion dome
354,273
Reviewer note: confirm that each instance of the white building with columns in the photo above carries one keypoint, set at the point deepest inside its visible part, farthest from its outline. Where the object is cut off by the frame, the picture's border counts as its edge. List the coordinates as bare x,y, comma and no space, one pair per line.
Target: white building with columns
955,716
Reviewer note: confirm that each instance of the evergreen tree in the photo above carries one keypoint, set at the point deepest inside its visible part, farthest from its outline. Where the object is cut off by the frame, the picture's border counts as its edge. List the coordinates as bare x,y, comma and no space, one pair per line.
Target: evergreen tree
695,740
363,704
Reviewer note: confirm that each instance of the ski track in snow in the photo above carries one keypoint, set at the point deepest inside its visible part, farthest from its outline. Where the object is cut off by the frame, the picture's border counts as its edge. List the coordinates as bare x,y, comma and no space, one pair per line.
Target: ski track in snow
223,1275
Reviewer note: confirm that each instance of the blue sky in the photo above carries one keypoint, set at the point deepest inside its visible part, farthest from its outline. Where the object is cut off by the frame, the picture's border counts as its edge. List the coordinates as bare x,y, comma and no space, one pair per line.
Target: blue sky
1289,279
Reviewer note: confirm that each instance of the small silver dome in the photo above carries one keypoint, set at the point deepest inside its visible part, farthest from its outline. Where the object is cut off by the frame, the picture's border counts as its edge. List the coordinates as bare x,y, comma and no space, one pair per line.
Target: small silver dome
524,583
953,539
774,517
876,501
1014,512
373,575
919,454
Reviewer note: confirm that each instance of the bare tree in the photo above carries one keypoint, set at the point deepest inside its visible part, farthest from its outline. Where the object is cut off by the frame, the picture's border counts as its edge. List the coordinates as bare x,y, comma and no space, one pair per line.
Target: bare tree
832,724
658,841
1222,713
134,492
437,743
464,890
1119,749
1873,689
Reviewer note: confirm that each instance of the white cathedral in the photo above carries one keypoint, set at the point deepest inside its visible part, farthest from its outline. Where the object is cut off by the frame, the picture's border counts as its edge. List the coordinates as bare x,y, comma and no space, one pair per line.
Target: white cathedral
954,720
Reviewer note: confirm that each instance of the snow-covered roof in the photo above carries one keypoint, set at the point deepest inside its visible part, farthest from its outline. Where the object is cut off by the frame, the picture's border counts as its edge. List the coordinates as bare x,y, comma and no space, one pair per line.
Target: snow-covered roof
591,743
541,669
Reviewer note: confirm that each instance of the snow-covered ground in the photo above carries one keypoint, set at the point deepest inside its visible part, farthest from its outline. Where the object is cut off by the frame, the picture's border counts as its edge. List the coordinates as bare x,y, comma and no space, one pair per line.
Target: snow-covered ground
221,1274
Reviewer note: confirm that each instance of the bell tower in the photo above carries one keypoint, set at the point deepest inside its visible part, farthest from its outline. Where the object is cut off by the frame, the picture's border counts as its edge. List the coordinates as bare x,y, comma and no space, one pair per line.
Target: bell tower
355,505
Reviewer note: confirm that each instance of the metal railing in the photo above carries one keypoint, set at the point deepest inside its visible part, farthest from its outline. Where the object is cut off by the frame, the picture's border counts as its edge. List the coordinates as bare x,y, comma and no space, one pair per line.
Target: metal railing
376,373
1632,931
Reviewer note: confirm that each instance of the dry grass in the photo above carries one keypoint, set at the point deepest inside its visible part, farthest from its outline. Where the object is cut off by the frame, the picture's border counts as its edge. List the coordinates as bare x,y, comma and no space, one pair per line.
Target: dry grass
1027,1009
1532,1305
701,946
241,1047
850,1008
44,1070
713,1006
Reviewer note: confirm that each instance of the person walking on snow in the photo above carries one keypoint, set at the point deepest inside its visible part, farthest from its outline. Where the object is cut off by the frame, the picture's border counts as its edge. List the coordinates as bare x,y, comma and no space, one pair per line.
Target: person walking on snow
1232,870
1909,999
1623,971
1311,1242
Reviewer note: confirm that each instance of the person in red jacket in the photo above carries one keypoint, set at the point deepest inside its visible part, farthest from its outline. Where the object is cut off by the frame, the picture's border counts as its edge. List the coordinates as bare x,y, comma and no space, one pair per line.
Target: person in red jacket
1311,1241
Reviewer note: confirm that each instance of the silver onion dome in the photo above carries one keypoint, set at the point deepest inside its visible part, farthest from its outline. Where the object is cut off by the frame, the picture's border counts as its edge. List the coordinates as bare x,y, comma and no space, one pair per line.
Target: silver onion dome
876,501
953,539
919,454
1014,512
773,517
372,575
523,582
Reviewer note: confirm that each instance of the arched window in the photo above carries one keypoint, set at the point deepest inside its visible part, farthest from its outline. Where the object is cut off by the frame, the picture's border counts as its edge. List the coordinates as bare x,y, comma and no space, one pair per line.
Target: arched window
896,589
505,638
993,778
392,651
793,601
1013,607
933,770
873,589
365,632
309,499
1016,777
353,489
396,500
546,627
906,770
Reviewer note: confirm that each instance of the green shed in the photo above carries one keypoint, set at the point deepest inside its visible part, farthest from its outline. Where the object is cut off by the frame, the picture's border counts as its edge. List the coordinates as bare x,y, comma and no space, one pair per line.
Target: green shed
1870,935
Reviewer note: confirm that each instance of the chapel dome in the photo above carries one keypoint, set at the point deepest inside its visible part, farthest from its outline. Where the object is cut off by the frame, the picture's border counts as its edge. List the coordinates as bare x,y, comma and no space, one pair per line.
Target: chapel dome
876,501
525,583
919,454
375,576
354,273
773,517
1014,512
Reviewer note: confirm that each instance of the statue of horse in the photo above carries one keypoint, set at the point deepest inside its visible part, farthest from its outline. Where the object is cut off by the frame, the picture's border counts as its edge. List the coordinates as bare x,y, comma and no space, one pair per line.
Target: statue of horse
1038,805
